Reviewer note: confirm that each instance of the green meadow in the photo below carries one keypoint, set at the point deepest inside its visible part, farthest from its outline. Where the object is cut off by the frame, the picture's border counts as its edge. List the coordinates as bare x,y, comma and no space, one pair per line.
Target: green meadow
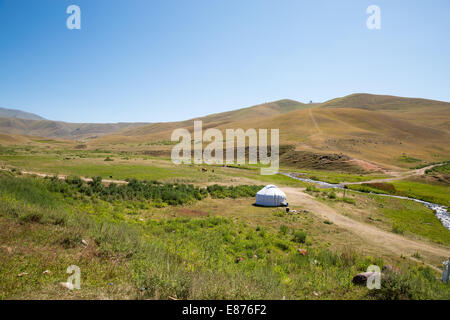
121,255
430,192
179,235
400,216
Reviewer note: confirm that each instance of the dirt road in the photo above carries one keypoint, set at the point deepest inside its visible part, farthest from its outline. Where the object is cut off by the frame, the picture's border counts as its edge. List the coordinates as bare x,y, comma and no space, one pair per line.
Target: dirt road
394,243
314,121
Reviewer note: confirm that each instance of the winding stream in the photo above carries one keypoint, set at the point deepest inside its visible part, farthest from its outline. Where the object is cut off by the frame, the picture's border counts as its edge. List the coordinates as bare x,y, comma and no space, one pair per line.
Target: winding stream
439,210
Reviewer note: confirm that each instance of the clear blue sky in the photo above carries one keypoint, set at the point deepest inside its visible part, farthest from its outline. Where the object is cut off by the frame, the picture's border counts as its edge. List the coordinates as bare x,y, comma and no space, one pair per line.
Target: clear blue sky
145,60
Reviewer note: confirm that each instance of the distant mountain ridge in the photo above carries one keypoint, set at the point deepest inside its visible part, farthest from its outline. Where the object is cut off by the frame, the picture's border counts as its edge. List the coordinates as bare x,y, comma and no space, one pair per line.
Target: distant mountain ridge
19,114
362,115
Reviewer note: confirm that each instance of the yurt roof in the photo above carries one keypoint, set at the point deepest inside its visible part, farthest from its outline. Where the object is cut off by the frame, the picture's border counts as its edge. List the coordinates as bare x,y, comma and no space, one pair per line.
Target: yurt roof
271,190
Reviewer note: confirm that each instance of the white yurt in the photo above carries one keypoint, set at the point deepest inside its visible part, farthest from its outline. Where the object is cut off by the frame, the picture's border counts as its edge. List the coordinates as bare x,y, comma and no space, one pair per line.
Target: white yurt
270,196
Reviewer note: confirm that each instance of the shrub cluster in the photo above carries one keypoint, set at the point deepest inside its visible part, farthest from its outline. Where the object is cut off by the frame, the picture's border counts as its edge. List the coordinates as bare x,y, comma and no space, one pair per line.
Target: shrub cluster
171,194
219,192
159,193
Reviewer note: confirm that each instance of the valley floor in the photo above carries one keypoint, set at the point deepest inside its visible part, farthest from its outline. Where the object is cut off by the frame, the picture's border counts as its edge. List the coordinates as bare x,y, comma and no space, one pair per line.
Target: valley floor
216,246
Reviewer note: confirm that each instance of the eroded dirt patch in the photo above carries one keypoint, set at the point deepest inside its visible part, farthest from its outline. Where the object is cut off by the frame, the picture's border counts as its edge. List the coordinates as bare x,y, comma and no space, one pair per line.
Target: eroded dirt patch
184,212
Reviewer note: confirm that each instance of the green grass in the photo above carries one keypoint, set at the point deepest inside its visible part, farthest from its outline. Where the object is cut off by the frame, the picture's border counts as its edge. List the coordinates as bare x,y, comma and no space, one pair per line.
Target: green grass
406,217
88,167
51,141
439,194
415,218
408,159
400,216
97,163
185,258
435,193
276,179
336,176
157,193
443,169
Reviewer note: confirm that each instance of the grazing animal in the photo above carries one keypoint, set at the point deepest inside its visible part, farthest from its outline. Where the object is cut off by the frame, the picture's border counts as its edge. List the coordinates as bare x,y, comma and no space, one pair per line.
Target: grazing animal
239,259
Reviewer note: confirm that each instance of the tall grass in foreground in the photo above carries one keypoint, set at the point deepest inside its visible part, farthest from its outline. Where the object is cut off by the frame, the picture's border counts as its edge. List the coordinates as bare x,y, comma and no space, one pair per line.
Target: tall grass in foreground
183,258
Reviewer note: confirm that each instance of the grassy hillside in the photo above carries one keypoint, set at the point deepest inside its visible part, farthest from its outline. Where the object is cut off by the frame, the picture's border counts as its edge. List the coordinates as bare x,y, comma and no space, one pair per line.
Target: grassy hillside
162,130
386,138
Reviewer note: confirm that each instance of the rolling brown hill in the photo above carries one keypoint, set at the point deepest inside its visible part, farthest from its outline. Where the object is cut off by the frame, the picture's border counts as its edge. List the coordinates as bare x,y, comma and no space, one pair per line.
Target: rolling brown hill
255,112
385,130
384,102
160,130
73,131
23,140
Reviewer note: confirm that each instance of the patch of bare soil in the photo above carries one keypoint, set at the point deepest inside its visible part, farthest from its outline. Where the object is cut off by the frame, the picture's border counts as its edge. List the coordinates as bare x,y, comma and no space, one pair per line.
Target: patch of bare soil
437,178
191,213
320,161
366,166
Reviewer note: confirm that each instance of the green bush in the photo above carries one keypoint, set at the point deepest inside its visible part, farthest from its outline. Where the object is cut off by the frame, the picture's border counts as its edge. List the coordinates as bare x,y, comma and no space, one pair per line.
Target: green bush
299,236
312,188
243,191
348,200
415,284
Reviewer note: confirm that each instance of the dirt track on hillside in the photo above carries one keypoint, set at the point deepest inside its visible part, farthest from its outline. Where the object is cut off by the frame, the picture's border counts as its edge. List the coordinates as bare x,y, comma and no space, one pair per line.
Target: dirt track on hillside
396,244
314,121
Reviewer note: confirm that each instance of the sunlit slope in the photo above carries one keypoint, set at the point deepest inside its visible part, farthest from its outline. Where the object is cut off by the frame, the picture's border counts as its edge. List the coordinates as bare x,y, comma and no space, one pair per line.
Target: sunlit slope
162,130
9,139
413,110
384,102
384,137
382,129
23,140
381,136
